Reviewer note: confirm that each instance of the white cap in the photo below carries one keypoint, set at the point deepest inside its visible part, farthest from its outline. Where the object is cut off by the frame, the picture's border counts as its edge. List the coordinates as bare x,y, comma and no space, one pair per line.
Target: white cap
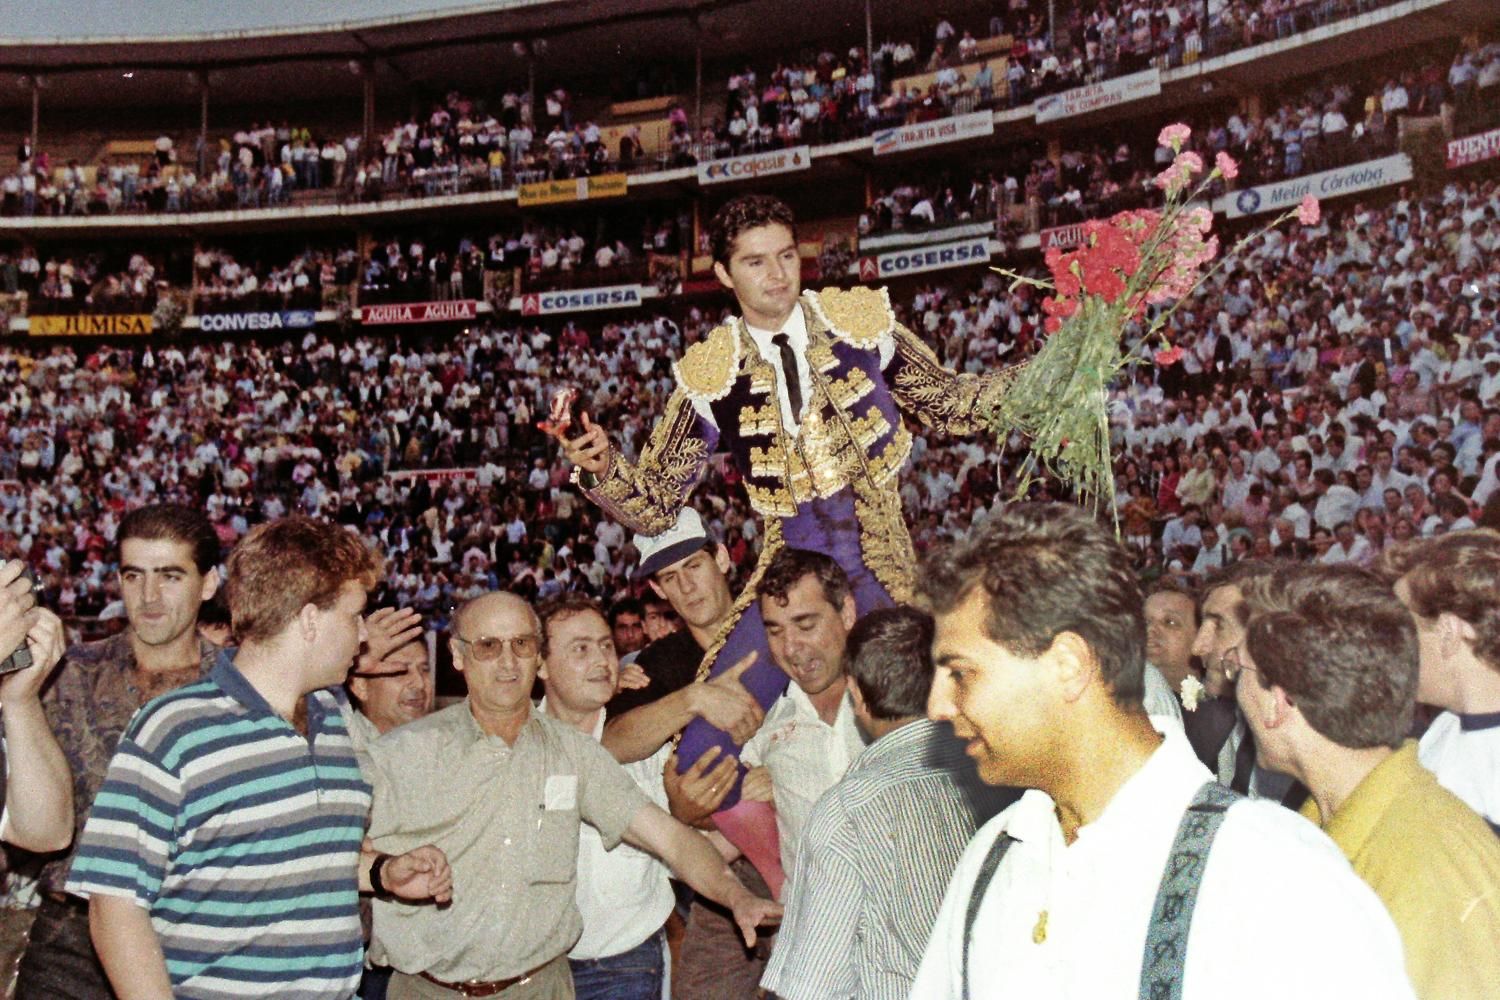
673,545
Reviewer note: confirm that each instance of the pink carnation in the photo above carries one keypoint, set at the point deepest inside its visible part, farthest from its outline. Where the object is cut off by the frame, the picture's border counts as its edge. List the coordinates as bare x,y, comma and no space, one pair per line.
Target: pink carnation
1308,213
1171,180
1200,218
1170,356
1174,135
1227,167
1188,163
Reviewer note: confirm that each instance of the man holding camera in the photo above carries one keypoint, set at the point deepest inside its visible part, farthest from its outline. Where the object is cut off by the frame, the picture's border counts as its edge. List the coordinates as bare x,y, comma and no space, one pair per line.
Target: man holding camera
168,567
31,643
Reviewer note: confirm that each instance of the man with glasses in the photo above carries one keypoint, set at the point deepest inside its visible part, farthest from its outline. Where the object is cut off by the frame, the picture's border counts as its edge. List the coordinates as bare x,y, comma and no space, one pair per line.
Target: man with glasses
1327,678
502,789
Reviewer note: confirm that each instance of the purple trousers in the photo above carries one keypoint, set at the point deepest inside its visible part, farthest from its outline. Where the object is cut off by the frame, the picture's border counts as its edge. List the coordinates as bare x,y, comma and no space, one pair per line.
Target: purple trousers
828,526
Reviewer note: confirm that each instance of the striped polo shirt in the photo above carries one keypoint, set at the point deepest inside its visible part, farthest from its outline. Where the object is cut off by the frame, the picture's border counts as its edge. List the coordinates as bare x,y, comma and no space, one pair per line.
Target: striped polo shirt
240,837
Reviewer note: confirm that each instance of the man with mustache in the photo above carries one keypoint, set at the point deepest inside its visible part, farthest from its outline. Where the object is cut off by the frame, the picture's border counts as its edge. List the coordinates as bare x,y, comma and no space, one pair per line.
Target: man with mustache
391,683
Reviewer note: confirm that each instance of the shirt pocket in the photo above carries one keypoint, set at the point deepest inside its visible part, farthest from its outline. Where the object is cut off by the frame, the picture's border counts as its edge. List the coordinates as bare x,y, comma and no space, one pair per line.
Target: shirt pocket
555,860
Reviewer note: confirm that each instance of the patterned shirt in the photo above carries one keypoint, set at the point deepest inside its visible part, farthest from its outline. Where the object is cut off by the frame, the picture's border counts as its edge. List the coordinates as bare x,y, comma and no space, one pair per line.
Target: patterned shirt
868,882
89,702
240,837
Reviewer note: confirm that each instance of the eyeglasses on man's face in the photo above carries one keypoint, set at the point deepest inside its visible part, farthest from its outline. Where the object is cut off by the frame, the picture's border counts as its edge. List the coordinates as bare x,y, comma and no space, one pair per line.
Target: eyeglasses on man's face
486,647
1232,664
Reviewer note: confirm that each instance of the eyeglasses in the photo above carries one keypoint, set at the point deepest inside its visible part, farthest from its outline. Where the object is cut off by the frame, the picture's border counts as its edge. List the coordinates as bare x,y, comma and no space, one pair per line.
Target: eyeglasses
1230,661
522,647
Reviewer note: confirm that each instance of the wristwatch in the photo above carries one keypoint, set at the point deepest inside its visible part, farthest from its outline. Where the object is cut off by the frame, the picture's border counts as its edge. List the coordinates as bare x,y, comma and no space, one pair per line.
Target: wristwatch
377,884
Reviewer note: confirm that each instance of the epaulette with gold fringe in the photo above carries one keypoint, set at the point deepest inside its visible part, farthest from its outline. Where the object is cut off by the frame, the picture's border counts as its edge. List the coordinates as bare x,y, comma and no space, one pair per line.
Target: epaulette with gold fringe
707,369
862,316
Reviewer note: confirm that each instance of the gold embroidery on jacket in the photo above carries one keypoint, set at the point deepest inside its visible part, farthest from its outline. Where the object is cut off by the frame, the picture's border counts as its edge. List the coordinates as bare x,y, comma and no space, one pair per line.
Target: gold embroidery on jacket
646,496
861,316
760,420
820,356
850,389
884,541
707,369
939,398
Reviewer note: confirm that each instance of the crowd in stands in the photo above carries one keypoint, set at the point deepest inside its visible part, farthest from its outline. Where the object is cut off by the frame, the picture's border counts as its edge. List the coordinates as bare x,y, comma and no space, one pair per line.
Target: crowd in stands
465,144
1338,391
1305,133
535,257
1026,193
1355,117
81,282
223,282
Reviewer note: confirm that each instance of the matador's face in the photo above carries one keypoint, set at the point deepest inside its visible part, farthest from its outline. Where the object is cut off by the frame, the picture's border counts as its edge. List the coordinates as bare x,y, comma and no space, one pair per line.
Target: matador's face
765,274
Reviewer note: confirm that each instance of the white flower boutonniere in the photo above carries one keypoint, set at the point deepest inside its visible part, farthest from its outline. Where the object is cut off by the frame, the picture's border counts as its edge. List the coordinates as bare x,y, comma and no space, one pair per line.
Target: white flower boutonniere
1192,692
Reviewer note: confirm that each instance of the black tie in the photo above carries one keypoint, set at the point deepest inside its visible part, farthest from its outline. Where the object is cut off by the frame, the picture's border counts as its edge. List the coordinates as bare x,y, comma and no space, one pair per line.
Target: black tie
789,372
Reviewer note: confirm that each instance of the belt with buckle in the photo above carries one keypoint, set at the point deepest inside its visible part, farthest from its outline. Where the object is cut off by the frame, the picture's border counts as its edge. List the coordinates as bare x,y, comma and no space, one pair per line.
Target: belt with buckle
480,988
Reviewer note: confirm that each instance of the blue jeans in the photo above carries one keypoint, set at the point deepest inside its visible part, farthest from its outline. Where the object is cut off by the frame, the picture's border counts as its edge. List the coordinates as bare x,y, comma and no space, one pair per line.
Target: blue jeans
631,975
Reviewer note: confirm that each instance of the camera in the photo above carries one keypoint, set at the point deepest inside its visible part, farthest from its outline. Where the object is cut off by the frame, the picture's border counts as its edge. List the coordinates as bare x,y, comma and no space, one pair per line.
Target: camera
21,658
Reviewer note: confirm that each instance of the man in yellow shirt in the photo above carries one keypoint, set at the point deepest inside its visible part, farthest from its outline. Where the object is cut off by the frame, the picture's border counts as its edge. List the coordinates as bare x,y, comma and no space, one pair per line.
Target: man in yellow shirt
1327,679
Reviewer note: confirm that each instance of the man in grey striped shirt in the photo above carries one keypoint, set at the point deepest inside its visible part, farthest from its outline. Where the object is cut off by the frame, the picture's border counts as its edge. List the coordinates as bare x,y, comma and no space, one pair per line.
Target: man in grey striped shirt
881,845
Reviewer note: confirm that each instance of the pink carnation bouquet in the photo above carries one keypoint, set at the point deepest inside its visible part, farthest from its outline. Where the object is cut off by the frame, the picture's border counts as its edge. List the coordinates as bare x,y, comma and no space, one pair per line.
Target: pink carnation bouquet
1130,273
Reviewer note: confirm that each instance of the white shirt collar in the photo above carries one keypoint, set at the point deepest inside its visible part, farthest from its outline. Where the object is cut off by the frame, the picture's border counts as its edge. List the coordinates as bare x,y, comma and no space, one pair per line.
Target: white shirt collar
1172,772
795,329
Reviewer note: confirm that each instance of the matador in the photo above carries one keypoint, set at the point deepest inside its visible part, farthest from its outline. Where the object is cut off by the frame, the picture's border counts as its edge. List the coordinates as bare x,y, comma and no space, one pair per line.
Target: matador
806,392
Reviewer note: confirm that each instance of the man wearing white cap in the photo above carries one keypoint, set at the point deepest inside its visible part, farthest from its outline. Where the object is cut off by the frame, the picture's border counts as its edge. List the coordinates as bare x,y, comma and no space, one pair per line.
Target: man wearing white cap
686,569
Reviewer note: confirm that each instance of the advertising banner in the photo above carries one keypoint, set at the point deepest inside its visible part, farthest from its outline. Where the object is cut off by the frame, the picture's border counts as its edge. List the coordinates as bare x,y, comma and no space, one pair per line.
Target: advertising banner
955,129
929,258
1473,149
112,325
1328,184
1062,237
576,189
290,319
432,475
419,312
1098,96
754,165
578,300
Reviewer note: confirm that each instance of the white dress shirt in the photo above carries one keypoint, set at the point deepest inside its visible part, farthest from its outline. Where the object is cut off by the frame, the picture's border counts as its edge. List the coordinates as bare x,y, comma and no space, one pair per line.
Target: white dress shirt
795,329
1279,913
623,894
805,756
1159,700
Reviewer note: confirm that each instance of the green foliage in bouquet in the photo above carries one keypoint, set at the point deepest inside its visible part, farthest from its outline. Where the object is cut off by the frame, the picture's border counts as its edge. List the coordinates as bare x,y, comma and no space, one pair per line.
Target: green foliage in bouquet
1130,273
